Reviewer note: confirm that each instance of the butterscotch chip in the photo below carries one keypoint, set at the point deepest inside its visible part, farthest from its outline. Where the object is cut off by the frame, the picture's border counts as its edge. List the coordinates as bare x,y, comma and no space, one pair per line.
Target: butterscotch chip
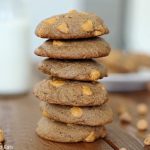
45,113
57,83
72,25
95,74
125,117
61,132
1,136
97,33
73,11
147,140
91,137
51,21
58,43
86,90
63,28
76,111
142,109
82,70
88,26
142,125
71,93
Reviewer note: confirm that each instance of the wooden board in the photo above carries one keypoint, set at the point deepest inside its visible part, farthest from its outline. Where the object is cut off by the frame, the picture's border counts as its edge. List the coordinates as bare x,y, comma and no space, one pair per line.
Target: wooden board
19,116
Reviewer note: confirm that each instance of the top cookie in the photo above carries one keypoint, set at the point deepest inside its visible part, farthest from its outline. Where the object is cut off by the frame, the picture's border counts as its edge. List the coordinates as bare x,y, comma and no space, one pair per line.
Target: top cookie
72,25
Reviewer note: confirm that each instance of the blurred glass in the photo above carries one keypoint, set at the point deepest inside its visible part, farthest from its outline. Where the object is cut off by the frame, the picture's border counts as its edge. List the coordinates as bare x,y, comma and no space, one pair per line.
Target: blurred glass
14,47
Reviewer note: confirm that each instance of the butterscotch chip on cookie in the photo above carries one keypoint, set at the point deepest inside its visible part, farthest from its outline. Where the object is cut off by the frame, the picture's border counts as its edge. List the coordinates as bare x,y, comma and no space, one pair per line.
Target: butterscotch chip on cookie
83,70
92,116
74,49
73,93
60,132
72,25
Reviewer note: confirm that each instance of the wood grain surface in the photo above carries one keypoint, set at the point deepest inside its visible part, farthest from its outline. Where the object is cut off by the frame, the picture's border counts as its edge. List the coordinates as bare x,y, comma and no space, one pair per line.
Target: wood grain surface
19,116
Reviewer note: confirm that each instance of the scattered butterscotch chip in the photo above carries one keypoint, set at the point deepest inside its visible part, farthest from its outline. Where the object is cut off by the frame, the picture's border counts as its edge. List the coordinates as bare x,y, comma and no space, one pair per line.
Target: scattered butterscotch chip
76,111
63,28
142,125
97,33
1,136
95,74
86,90
91,137
88,26
125,117
51,21
142,109
58,43
72,11
45,113
57,83
123,148
147,140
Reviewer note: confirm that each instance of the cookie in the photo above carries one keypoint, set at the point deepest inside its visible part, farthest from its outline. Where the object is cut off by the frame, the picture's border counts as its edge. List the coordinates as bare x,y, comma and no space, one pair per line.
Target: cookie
60,132
143,60
83,70
74,49
72,25
75,93
92,116
120,62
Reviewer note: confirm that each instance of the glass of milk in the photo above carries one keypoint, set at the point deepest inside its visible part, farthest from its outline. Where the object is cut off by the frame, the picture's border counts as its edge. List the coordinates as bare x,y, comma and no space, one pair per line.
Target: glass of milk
14,48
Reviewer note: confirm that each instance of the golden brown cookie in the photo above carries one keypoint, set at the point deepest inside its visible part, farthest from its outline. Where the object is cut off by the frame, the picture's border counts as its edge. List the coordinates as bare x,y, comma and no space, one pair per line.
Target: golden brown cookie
120,62
92,116
84,70
72,25
74,49
60,132
75,93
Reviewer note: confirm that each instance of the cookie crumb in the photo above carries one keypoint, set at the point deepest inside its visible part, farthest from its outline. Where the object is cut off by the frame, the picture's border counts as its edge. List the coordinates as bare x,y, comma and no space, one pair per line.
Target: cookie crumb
125,117
142,109
90,137
95,74
57,83
76,111
88,26
142,125
63,28
147,140
58,43
1,136
86,90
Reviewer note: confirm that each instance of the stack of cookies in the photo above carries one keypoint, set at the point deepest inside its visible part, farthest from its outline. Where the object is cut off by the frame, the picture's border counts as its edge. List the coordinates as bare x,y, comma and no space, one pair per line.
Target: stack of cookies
73,102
